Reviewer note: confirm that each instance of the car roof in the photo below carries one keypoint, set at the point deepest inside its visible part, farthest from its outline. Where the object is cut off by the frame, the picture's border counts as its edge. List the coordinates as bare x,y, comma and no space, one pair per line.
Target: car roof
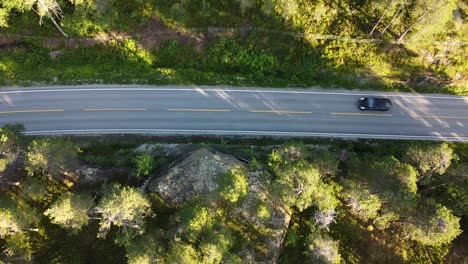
381,102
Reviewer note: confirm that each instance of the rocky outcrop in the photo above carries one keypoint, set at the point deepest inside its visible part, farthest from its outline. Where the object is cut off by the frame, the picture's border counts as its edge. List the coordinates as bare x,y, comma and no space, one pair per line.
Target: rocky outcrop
89,176
165,149
255,214
195,175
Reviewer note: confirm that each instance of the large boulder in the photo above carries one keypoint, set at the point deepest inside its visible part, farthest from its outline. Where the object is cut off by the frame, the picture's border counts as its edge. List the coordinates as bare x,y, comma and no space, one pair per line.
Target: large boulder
165,149
195,175
255,214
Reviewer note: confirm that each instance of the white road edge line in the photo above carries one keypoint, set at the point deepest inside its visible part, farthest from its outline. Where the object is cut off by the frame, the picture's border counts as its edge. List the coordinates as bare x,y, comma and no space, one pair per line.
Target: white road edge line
234,91
238,132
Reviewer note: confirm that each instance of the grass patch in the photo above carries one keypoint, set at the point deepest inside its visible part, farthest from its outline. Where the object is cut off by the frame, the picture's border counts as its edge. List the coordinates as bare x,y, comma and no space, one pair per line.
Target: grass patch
222,62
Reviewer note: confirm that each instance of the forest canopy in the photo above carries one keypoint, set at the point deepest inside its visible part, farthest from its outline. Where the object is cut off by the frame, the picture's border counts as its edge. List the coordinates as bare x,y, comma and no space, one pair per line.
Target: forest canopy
324,201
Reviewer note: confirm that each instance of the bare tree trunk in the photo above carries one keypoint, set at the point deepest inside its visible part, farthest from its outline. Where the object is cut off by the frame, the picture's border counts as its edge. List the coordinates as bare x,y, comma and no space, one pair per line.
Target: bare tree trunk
381,17
58,27
412,25
9,183
434,187
404,221
31,229
391,21
47,9
440,185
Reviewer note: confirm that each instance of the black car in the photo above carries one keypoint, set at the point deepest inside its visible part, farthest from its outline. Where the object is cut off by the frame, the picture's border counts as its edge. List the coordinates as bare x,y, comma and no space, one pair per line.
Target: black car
375,103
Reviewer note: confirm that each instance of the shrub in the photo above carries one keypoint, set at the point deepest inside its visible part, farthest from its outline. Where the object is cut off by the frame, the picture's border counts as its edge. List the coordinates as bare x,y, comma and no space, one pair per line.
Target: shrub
228,56
145,164
233,185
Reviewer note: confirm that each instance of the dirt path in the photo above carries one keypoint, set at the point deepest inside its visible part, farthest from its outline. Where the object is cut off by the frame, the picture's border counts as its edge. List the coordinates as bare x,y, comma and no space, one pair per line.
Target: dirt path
156,32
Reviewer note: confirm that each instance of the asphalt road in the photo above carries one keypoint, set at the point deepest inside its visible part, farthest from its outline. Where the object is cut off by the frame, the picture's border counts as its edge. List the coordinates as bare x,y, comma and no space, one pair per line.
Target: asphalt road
230,111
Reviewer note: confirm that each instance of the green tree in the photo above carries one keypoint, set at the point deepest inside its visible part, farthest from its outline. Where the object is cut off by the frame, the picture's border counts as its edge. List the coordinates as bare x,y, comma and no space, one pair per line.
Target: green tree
11,140
51,156
429,18
18,223
7,7
326,162
142,250
18,249
124,207
246,5
268,6
211,253
36,189
70,211
434,225
16,217
392,181
455,197
323,249
456,176
3,163
362,203
392,18
287,8
295,184
233,184
43,8
430,159
299,185
183,254
386,219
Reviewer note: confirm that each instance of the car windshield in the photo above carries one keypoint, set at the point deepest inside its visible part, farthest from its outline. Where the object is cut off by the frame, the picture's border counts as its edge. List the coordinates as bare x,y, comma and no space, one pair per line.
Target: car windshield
371,102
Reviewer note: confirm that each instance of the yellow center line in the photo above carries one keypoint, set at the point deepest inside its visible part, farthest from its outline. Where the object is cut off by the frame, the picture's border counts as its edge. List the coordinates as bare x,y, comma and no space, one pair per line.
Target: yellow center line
32,111
197,110
357,114
115,109
442,117
280,112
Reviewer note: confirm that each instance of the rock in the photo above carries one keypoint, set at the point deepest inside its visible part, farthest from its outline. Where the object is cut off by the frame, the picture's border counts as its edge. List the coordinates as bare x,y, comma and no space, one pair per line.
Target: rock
161,149
255,213
55,54
88,175
96,177
195,175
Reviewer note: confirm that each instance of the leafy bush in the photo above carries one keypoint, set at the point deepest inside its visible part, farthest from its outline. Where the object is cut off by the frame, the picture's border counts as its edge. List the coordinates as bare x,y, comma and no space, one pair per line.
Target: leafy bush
228,56
195,218
174,54
145,164
233,185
